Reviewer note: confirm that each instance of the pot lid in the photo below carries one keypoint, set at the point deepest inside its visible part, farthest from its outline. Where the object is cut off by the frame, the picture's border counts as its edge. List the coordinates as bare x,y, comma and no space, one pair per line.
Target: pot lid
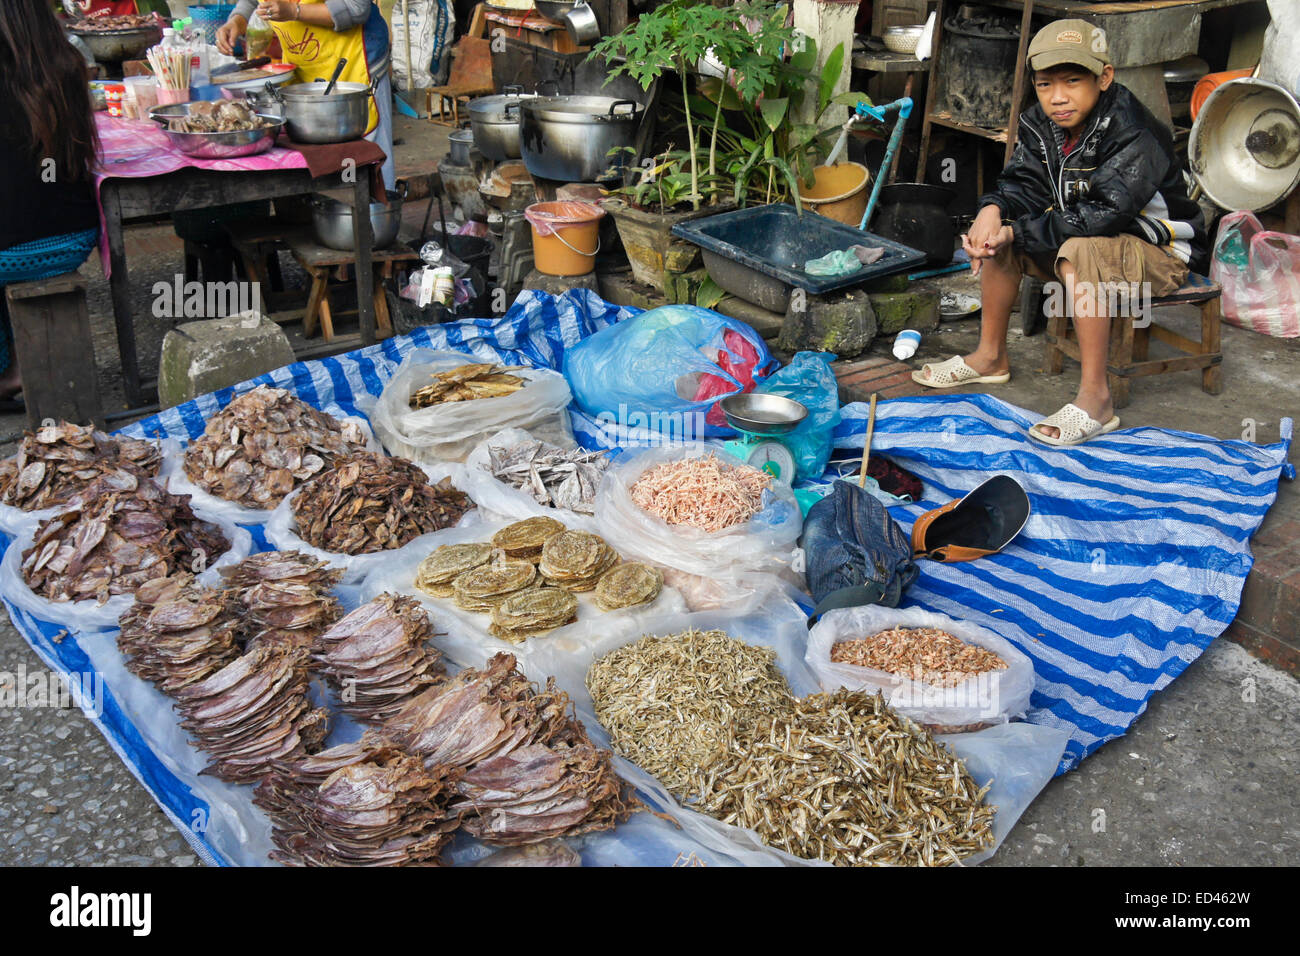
492,109
584,109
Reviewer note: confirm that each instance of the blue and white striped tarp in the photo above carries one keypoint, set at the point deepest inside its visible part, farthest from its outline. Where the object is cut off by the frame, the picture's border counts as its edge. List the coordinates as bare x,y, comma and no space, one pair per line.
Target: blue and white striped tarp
1132,562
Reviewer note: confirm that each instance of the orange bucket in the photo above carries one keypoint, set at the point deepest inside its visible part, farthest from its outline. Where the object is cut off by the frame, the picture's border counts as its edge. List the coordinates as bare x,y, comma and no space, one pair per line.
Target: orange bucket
1211,82
838,192
566,236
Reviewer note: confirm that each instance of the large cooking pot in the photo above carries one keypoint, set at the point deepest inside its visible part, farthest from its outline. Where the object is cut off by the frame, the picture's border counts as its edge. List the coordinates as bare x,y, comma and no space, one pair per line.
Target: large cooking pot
312,117
114,46
568,138
332,221
495,122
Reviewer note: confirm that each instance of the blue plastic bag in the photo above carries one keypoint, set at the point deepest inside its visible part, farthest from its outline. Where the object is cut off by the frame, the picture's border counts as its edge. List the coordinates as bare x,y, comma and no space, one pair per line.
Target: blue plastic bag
808,379
647,371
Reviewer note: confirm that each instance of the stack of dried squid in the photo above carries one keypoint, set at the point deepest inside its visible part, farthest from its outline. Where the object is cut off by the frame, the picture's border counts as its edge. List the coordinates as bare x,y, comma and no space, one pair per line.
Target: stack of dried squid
177,633
551,475
282,597
263,445
57,462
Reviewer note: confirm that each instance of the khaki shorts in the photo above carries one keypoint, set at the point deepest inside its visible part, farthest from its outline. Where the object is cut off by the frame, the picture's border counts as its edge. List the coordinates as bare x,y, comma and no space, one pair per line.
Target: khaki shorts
1105,259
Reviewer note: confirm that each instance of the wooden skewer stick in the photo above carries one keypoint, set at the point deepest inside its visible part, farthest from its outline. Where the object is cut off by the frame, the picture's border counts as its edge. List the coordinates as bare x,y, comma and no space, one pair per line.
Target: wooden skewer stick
866,445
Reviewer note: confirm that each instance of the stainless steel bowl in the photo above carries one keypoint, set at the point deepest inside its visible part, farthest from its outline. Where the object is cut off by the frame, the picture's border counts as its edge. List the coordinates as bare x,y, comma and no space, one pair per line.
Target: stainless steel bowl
903,39
114,46
554,9
761,414
227,145
332,221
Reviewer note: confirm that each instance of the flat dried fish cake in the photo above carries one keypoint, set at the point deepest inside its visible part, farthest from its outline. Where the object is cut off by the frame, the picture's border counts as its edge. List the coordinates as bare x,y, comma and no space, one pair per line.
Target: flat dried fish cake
576,559
436,572
482,588
627,585
524,539
532,612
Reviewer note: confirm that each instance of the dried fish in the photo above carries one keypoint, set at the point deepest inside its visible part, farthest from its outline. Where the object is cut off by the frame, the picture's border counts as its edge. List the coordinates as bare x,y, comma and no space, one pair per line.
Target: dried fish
484,587
449,561
627,585
369,502
264,444
575,560
467,383
524,539
282,597
704,493
926,654
177,633
57,462
533,612
553,476
552,853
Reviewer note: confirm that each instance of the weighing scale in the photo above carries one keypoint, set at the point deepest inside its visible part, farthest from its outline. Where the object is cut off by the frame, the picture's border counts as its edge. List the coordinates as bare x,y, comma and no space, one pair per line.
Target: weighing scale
761,419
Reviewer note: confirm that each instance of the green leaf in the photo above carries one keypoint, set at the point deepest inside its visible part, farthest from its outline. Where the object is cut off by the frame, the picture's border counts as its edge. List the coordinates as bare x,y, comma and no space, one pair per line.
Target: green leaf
830,76
773,111
709,294
851,98
709,88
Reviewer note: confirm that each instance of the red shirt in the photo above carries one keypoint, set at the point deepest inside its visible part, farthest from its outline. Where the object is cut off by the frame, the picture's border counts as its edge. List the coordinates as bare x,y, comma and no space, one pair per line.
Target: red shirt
111,8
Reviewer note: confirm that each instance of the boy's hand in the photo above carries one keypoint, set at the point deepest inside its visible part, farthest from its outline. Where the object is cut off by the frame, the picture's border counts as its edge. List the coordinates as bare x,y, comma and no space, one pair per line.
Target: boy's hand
986,237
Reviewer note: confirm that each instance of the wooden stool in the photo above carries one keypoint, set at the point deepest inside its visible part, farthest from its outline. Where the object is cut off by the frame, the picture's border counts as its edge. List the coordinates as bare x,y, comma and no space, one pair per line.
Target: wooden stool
322,263
470,76
1129,342
51,338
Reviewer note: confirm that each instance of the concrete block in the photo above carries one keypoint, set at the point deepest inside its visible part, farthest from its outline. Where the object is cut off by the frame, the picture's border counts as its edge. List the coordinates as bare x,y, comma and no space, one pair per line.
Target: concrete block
844,323
896,311
200,357
557,285
681,287
765,323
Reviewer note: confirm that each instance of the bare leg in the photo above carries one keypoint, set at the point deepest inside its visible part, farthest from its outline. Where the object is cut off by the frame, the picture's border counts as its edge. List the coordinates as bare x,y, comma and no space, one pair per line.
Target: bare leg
999,287
1092,325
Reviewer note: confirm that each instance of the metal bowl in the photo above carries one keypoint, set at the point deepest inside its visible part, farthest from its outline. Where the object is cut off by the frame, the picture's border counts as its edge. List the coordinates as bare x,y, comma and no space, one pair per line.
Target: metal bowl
114,46
761,414
903,39
228,145
553,9
332,221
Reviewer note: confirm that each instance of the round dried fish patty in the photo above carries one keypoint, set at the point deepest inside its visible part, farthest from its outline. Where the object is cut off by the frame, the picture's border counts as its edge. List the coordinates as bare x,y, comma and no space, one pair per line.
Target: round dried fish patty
576,559
533,611
524,539
482,588
627,585
449,562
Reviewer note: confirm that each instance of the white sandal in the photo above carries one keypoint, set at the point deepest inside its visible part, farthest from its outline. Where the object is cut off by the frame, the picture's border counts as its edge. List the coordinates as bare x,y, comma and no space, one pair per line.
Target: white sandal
1074,424
956,372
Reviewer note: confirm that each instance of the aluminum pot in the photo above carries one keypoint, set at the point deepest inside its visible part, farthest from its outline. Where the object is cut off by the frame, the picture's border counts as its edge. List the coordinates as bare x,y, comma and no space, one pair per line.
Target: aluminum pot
568,138
495,122
332,221
460,143
114,46
312,117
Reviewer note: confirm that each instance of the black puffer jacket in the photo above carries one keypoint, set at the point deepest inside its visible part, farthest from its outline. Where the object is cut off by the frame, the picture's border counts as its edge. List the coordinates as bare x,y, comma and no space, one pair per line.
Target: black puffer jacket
1122,177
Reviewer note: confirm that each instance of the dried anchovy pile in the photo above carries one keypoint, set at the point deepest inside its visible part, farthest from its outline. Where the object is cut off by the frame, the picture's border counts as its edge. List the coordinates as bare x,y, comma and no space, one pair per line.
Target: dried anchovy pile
467,383
552,476
254,712
370,502
57,462
837,777
177,633
922,653
263,445
377,657
702,492
125,533
282,597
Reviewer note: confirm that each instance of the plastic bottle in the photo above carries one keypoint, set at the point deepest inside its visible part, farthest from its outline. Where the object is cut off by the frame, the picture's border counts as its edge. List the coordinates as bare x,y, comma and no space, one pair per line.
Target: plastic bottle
906,343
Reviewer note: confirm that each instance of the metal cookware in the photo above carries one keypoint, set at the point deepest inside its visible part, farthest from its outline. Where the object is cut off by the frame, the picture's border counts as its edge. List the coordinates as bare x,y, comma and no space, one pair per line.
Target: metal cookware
332,221
582,24
554,9
569,138
916,214
114,46
495,122
312,117
760,413
228,145
460,142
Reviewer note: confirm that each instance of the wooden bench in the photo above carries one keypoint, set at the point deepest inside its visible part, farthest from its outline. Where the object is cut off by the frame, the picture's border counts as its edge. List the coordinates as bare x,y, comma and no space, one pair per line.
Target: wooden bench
321,263
52,340
1129,342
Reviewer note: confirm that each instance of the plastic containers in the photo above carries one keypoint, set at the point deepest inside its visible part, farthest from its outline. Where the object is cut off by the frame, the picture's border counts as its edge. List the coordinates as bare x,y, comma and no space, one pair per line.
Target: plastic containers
906,344
838,192
566,236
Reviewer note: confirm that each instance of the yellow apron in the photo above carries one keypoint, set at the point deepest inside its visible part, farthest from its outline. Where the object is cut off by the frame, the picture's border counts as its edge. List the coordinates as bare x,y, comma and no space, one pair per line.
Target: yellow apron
315,51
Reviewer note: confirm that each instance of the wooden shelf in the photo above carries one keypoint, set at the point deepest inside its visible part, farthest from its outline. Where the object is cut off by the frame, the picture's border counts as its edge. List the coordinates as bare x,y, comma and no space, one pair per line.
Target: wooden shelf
883,61
946,120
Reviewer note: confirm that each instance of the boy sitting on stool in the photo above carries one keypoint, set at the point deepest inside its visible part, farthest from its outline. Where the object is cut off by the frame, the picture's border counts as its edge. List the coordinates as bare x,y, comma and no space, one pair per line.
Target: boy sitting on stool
1093,196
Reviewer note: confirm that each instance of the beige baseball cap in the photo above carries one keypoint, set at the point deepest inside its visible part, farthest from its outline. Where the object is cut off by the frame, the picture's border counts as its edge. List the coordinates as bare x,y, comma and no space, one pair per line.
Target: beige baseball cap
1070,41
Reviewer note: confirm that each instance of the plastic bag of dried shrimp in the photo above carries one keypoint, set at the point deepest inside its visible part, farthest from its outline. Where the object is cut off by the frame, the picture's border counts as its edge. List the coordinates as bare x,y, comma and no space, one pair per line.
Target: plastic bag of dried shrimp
951,691
730,521
449,430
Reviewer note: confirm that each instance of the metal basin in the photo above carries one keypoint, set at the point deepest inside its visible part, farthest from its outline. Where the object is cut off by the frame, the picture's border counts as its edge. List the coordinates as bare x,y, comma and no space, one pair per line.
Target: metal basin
762,414
332,221
312,117
114,46
568,138
227,145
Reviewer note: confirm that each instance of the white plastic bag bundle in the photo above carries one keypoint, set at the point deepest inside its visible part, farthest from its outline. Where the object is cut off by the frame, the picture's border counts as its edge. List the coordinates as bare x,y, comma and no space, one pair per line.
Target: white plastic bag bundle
993,697
425,18
1017,759
282,531
81,616
178,483
764,544
506,501
449,431
1279,62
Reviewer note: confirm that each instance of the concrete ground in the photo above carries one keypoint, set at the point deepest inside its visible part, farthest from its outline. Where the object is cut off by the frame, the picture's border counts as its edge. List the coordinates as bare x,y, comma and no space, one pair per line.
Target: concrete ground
1206,776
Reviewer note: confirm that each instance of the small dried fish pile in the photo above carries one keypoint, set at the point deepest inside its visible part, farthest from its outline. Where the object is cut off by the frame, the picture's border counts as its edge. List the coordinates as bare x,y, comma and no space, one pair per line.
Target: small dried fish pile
377,657
575,560
845,779
524,539
253,712
927,654
836,777
449,561
627,585
359,804
57,462
467,383
263,445
177,633
553,476
484,587
368,503
126,532
704,492
224,116
282,597
552,853
533,612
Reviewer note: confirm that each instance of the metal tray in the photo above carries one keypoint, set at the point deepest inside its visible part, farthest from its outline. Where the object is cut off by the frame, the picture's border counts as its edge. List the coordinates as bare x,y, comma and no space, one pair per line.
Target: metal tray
776,241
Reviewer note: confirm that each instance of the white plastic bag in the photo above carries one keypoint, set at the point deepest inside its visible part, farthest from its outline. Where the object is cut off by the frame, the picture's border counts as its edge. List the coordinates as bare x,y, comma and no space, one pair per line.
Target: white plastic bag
1260,274
448,432
282,531
178,483
506,501
990,698
425,16
1016,759
765,543
83,616
464,636
1279,61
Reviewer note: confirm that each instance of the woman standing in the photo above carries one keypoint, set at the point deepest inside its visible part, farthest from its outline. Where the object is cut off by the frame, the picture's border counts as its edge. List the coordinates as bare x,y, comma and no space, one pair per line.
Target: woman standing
314,35
49,221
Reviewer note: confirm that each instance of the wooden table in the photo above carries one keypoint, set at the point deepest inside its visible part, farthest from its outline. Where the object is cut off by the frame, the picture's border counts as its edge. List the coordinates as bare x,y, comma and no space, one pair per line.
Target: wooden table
126,199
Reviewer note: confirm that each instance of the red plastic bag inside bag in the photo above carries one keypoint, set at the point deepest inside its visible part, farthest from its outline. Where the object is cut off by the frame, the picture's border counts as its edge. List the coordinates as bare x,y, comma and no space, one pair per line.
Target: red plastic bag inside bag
1259,271
714,386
